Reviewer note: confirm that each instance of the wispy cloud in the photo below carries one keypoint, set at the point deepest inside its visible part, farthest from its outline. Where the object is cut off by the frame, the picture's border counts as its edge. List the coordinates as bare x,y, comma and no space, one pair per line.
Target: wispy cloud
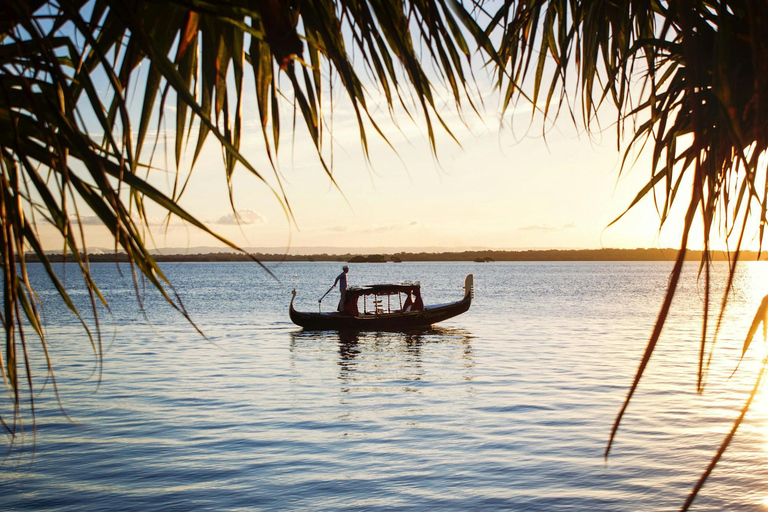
547,229
246,216
390,227
243,217
93,220
372,229
86,220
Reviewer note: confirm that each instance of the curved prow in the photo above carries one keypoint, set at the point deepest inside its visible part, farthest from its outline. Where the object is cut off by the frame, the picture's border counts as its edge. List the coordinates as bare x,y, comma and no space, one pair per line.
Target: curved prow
469,286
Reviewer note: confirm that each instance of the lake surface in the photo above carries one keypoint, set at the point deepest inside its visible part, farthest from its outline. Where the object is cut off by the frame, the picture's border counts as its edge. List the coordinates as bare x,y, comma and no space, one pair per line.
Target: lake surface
507,407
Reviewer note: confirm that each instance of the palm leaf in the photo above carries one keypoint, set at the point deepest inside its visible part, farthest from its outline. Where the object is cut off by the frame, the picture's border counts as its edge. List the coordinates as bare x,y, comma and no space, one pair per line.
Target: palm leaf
701,103
53,55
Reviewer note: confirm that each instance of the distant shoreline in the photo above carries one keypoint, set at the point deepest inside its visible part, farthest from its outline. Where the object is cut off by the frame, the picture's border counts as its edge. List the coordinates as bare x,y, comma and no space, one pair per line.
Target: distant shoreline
480,256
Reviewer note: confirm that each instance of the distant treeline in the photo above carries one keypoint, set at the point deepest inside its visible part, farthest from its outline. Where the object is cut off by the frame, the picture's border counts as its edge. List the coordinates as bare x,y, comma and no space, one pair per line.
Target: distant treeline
486,256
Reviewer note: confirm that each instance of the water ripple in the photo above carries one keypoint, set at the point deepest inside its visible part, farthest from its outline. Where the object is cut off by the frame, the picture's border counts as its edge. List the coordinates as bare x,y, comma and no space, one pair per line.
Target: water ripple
507,407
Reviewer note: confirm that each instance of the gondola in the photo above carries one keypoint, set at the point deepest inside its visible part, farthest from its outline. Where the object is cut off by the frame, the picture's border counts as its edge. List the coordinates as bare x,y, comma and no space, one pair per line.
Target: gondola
383,309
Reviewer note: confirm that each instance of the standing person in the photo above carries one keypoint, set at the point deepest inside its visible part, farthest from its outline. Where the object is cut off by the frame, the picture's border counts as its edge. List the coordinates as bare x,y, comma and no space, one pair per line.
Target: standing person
342,280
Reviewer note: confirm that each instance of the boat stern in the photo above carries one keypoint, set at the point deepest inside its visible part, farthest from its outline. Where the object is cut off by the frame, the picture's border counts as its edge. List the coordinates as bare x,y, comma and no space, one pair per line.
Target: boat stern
469,286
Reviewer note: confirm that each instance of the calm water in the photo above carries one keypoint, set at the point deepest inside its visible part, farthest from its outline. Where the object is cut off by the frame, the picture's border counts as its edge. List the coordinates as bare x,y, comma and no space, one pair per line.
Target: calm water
507,407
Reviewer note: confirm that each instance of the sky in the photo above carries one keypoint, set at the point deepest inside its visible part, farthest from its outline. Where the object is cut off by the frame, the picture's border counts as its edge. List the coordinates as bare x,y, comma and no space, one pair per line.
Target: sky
506,184
496,188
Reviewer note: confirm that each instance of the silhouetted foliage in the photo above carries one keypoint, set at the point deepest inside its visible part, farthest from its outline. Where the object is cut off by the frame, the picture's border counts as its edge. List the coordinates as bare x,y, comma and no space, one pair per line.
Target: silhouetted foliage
690,77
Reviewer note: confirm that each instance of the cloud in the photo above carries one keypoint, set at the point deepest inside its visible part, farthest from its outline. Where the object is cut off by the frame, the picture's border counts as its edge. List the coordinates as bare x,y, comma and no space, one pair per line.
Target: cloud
246,216
93,220
86,220
390,227
547,229
243,217
374,229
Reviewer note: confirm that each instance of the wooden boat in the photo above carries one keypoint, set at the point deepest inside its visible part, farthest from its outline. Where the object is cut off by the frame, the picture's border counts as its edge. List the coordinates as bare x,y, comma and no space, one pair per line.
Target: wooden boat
380,311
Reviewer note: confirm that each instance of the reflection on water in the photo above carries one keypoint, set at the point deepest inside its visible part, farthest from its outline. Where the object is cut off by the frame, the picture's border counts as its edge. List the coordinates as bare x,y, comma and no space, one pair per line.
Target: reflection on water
506,407
393,352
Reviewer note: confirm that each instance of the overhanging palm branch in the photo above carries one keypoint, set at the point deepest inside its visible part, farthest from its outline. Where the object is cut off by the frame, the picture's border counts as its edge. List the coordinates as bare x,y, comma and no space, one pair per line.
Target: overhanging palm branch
58,57
700,105
692,77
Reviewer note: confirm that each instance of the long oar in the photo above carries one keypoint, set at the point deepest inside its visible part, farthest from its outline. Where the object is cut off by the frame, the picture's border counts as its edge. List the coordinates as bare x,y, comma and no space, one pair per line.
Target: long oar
326,293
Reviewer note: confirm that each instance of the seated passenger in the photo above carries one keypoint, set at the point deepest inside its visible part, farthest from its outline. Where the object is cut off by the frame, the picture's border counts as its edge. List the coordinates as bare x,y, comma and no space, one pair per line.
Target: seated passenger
408,304
418,304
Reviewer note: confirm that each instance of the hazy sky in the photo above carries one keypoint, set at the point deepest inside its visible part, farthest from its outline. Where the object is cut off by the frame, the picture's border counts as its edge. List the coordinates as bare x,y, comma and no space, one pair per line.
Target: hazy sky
504,186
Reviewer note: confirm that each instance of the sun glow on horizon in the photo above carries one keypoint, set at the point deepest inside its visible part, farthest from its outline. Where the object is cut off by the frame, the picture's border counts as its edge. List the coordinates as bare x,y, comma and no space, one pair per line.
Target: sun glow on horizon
505,183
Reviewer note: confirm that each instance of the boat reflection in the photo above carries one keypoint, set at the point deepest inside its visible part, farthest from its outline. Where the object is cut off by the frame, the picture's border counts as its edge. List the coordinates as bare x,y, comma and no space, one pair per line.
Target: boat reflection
373,358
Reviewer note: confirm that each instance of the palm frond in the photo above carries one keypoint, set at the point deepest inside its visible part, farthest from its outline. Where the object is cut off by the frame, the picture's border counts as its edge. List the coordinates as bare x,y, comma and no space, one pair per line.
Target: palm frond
70,141
692,74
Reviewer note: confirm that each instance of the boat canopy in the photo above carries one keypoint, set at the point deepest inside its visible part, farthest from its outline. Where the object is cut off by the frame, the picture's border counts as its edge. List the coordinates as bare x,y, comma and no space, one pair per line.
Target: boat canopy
383,289
379,291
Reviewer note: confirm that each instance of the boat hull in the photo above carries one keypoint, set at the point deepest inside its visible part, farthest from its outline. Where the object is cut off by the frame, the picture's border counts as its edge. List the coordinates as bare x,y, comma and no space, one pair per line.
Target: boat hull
413,320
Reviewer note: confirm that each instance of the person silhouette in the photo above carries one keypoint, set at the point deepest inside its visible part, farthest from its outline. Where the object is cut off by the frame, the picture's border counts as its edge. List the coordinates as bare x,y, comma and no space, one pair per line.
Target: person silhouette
408,304
341,279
